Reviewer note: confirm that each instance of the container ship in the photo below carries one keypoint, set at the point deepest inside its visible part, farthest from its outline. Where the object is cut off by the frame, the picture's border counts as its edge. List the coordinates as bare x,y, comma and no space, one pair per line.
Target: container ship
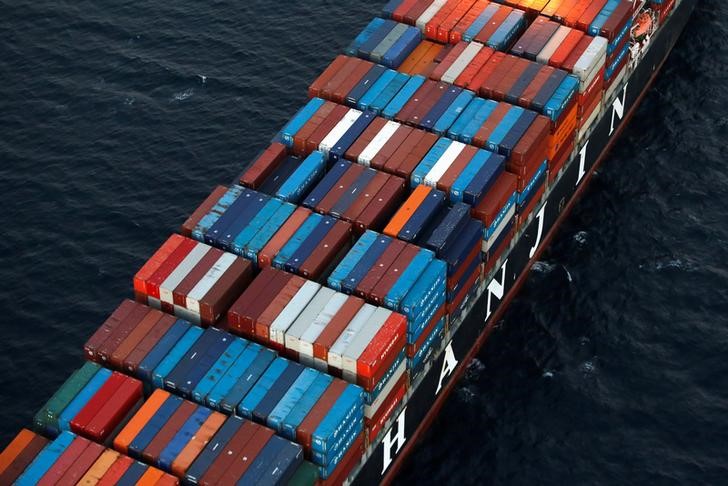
308,321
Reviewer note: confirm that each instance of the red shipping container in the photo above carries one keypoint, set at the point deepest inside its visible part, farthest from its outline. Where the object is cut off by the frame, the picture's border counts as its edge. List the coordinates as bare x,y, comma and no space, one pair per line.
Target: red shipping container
82,464
422,95
238,316
452,19
154,262
569,43
371,190
182,290
488,69
590,13
340,187
107,328
394,142
488,87
64,462
497,197
374,425
495,22
318,85
344,71
465,79
263,166
343,89
382,351
313,142
279,302
308,426
416,11
168,266
491,123
382,206
116,471
446,63
456,34
336,241
383,286
402,10
434,23
301,137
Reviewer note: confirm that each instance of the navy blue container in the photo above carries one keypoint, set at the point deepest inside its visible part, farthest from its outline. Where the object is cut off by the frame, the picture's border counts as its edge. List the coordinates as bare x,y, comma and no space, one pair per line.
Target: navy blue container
423,216
348,198
448,229
207,361
324,187
506,146
447,99
131,476
457,253
352,99
192,357
152,427
347,140
276,392
523,82
548,89
213,449
279,175
309,245
252,206
365,50
484,179
362,267
228,217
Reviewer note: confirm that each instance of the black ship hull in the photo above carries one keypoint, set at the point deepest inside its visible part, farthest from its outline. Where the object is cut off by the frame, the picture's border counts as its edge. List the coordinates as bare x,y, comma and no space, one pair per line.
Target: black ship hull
465,338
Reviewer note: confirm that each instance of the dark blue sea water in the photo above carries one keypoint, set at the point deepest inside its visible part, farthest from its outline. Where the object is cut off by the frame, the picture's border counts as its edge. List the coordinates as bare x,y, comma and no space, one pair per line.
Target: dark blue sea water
119,117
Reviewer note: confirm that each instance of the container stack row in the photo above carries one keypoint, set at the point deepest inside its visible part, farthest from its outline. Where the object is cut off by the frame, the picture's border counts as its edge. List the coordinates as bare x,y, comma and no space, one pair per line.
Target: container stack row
94,402
404,278
450,21
332,332
220,371
31,459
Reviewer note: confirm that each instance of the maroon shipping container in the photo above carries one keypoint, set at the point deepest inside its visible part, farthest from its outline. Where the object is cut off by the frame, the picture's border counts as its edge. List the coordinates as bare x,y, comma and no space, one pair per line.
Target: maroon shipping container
338,77
315,89
313,142
336,242
617,20
335,327
342,186
64,462
151,452
384,285
256,306
107,328
134,359
246,456
189,225
143,327
526,98
590,13
121,332
360,70
395,141
379,269
448,61
451,174
24,456
497,197
491,123
302,135
371,190
489,84
82,464
263,166
228,455
495,21
416,11
506,83
239,313
365,138
182,290
420,111
382,206
411,154
224,292
317,413
532,144
422,95
279,302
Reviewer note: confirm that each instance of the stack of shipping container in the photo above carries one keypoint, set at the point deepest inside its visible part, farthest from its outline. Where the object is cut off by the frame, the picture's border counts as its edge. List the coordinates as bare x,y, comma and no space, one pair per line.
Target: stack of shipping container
273,338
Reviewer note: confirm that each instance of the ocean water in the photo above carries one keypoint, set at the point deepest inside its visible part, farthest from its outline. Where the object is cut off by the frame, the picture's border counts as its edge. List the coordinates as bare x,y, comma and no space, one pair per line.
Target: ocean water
609,368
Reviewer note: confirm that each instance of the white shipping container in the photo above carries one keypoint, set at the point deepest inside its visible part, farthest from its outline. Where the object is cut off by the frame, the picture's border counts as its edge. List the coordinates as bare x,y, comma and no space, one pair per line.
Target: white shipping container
290,312
179,273
306,317
207,282
463,61
305,343
379,141
443,163
338,131
337,349
361,341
